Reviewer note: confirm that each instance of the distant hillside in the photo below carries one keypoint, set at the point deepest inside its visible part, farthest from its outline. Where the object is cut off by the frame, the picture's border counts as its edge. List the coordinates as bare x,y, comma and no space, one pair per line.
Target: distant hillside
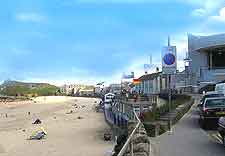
16,88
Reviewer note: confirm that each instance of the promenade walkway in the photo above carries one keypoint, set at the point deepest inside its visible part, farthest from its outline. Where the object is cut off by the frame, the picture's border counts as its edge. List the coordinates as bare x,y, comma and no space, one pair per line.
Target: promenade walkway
188,139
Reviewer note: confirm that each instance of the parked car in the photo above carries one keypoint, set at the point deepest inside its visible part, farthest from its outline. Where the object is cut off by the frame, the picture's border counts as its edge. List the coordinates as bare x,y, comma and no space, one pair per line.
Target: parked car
211,110
210,94
221,129
220,87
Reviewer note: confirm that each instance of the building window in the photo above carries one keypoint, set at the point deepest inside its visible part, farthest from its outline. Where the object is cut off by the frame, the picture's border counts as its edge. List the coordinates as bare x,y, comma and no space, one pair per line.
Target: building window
216,58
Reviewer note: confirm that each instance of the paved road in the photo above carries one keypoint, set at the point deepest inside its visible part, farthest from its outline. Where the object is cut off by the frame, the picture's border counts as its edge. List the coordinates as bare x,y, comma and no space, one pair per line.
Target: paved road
188,139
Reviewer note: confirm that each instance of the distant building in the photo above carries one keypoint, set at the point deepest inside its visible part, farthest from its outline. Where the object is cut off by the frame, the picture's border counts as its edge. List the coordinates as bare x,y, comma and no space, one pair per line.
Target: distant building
115,88
67,89
151,83
87,91
207,54
98,90
75,89
157,82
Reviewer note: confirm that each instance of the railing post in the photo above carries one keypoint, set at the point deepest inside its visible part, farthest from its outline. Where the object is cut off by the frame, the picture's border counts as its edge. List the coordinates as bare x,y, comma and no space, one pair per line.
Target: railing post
157,128
131,148
149,149
138,130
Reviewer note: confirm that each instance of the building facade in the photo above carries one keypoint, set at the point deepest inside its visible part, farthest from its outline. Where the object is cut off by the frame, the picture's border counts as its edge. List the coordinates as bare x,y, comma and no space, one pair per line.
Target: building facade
207,54
87,91
115,88
151,83
157,82
74,89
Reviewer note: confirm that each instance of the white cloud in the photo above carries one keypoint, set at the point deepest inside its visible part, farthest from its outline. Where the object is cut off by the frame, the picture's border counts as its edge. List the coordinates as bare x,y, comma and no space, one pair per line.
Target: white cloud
181,43
199,12
30,17
212,5
137,65
205,7
208,5
220,17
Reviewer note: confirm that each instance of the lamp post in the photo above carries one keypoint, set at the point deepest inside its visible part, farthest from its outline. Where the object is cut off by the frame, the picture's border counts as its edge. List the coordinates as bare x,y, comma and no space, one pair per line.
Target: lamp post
187,61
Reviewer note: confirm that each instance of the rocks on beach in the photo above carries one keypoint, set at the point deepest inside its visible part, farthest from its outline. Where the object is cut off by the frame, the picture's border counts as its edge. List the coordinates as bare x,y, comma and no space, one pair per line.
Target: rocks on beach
37,121
70,112
107,136
79,117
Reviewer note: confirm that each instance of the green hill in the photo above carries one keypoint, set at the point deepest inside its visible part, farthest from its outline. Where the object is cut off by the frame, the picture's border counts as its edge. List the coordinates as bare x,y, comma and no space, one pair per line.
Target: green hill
16,88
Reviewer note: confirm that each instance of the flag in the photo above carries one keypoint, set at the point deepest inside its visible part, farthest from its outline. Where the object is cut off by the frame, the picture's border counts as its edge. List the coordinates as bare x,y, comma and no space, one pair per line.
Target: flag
136,81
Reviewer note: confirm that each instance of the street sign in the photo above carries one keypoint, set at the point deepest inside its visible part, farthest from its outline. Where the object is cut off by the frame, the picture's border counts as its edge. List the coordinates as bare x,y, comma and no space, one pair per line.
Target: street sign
169,60
128,76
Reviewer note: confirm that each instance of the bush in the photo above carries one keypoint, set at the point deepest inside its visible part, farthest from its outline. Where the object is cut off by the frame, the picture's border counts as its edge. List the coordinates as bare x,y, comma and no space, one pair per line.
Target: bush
165,94
150,129
159,111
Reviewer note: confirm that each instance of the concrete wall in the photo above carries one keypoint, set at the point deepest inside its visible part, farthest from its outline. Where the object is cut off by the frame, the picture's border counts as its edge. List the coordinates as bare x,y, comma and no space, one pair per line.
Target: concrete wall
140,141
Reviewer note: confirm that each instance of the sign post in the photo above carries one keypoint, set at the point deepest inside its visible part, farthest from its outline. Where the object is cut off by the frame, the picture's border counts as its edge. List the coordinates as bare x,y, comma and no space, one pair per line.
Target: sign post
170,102
169,67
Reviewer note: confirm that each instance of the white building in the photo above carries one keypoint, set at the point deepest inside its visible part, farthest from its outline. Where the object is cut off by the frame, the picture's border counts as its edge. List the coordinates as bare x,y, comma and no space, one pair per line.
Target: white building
67,89
207,54
73,89
151,83
157,82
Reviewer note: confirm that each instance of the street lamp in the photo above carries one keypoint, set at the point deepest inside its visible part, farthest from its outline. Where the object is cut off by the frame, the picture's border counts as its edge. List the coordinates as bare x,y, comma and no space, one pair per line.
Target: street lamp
187,61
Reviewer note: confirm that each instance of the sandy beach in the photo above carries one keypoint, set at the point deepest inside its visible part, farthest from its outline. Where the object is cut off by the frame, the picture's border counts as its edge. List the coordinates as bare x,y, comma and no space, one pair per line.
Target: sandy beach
67,135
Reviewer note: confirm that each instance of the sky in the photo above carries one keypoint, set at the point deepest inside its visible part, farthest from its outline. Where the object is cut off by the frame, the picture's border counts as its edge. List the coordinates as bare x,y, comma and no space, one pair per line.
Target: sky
87,41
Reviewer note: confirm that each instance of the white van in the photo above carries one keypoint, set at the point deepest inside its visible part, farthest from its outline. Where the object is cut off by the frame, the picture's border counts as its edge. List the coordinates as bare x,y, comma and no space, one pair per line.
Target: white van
108,100
220,88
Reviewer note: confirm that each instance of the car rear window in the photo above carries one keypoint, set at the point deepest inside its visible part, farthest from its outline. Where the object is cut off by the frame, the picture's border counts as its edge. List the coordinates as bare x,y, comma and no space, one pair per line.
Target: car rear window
215,103
211,95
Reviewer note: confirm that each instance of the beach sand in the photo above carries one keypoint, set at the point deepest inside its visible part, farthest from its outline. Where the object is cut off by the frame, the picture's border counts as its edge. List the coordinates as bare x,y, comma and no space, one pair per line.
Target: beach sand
67,135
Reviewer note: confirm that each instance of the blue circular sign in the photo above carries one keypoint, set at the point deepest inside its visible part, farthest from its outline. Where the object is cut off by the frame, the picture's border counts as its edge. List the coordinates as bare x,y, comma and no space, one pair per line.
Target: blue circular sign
169,59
